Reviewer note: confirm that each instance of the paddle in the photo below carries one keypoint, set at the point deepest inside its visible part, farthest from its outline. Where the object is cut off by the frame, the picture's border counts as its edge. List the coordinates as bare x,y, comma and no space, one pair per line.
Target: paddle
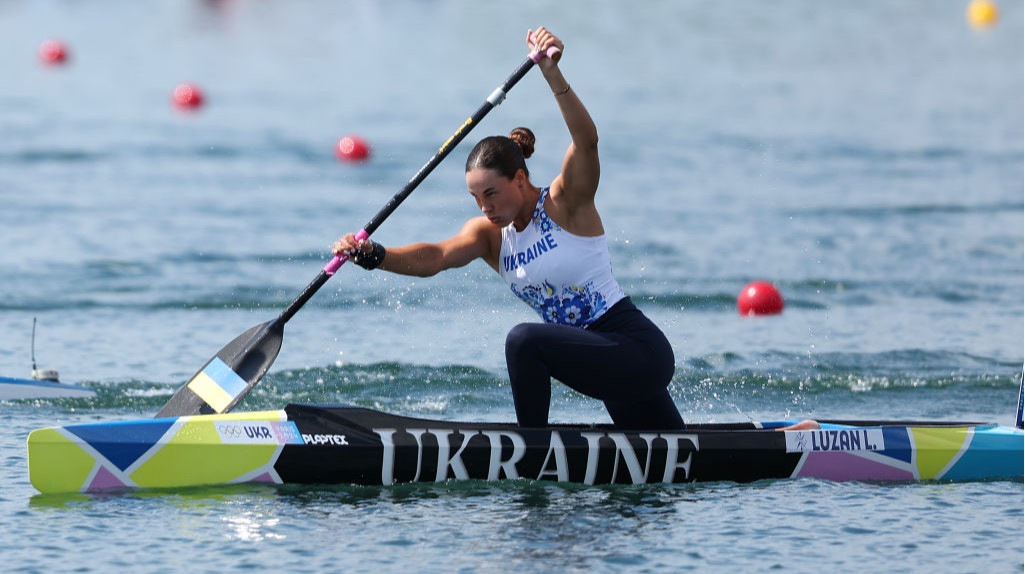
229,376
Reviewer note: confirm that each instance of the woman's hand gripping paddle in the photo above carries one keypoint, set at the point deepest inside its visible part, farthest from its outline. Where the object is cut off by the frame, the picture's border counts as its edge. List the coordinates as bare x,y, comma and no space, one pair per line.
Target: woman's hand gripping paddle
229,376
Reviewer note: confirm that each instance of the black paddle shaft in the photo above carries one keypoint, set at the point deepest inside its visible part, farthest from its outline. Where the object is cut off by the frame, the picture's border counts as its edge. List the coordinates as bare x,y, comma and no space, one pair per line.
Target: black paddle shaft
250,355
493,100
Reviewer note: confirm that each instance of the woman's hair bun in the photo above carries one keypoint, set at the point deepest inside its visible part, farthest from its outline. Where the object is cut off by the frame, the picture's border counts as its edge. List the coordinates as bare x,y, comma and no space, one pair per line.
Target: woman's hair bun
525,139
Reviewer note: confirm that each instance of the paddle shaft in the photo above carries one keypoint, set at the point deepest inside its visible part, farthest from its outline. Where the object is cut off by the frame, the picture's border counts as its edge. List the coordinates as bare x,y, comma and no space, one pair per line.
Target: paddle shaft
493,100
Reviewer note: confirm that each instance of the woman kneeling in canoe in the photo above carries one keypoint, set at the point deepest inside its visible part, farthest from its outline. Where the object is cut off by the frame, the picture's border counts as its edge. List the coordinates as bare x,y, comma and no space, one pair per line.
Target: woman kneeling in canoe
548,243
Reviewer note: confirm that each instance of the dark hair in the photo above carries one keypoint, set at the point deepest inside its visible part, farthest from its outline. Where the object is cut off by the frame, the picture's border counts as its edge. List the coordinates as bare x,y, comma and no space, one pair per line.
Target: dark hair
503,154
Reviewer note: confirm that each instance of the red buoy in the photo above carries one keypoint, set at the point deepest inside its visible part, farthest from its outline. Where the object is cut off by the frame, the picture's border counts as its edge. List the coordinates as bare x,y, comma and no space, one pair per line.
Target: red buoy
53,52
352,148
759,298
187,96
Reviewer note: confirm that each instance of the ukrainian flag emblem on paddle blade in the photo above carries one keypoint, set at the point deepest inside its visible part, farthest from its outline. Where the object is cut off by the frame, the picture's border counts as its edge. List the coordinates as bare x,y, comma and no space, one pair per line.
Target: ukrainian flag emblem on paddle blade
217,384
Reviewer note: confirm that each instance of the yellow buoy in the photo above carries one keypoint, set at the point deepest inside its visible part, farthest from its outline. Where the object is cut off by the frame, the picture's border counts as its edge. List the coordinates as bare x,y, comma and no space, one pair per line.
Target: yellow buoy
983,13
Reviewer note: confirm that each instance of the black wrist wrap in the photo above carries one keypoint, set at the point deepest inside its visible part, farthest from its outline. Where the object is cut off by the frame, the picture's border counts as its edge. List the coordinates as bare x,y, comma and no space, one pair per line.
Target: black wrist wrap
369,260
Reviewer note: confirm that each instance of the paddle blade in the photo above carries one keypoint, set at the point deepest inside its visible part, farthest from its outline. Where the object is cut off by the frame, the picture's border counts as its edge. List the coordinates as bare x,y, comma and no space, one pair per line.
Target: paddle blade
229,376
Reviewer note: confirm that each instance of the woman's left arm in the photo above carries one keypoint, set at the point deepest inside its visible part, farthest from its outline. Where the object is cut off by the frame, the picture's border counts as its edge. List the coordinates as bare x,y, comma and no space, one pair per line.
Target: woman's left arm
575,187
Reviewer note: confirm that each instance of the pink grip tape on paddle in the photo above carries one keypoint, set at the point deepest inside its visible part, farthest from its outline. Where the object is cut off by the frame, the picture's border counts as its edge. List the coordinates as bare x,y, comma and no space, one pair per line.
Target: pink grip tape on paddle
333,265
536,55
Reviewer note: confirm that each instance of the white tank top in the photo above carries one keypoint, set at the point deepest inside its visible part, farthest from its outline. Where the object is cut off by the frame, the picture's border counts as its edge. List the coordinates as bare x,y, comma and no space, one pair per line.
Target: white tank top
566,278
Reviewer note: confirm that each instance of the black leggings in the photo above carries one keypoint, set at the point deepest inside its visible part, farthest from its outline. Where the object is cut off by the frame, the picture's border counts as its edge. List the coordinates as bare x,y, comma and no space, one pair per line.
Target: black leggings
622,359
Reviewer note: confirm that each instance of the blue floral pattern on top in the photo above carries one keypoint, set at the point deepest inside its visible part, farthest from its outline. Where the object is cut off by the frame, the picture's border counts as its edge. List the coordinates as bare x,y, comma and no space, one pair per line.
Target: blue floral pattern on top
540,219
575,306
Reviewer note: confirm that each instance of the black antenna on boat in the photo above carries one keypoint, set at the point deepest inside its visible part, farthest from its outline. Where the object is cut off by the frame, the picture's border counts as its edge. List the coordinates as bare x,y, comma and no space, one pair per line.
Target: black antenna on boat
40,374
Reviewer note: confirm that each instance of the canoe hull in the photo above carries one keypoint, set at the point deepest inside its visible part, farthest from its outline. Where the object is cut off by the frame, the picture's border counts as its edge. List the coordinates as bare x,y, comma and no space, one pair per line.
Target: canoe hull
335,444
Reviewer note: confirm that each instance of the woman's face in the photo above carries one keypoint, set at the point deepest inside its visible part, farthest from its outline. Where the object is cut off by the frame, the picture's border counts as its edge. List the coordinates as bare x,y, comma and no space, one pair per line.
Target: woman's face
499,199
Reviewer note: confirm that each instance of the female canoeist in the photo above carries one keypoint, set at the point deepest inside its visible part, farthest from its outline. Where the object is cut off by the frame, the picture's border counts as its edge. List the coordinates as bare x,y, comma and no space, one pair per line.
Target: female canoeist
548,243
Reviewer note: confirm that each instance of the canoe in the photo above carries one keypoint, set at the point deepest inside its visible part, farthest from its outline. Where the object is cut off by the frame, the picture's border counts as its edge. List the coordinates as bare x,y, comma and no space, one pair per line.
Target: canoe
19,389
342,444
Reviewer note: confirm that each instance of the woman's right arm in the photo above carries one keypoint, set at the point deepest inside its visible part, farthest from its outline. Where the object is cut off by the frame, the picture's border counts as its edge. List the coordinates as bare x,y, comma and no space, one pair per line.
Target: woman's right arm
477,239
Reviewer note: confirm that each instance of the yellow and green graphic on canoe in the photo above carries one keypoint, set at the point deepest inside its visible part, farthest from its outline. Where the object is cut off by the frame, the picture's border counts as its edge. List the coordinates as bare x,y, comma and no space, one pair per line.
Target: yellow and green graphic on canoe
157,453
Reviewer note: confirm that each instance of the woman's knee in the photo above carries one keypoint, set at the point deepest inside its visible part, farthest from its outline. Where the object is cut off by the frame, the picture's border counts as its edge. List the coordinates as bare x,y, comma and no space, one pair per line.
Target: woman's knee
517,339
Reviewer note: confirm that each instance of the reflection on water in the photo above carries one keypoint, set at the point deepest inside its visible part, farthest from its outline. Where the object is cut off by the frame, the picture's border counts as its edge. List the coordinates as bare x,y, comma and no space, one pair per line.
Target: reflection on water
564,527
253,527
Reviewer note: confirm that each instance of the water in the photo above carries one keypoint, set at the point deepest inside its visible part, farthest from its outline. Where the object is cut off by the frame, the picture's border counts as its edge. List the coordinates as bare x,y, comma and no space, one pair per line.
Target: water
866,158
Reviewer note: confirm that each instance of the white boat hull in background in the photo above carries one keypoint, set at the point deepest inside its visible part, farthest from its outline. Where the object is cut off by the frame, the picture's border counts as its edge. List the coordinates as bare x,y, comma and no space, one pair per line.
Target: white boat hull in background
21,389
